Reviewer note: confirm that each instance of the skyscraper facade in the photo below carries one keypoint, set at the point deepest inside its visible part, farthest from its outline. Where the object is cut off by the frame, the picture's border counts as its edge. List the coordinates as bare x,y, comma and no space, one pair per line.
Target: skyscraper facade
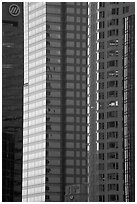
55,99
112,139
12,100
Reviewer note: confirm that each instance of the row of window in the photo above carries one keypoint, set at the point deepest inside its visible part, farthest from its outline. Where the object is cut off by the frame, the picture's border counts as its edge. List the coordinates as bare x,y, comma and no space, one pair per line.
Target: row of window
110,155
110,114
69,110
71,35
110,43
110,187
113,32
57,85
110,145
69,27
110,84
69,10
110,176
110,74
114,11
69,68
111,198
110,104
68,60
57,18
70,128
111,63
110,135
111,124
110,166
110,94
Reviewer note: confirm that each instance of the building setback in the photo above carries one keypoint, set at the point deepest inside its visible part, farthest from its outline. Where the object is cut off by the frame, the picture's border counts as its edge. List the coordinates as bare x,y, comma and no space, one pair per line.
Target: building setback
55,99
12,101
112,139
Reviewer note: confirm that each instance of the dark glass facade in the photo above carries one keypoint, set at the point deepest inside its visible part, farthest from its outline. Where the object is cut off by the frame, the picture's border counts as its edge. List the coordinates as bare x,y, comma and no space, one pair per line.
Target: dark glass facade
55,100
12,102
112,162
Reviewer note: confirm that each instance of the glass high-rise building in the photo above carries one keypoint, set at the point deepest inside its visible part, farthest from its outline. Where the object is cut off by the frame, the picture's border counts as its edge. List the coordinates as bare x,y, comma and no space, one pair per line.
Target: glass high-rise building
112,139
55,99
12,100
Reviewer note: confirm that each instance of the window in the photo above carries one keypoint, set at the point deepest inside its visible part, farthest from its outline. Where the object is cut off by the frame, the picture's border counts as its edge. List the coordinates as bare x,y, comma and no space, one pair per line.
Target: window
101,189
113,104
102,14
112,198
101,45
112,165
101,105
70,10
113,176
70,52
101,115
70,18
101,24
101,35
112,53
70,27
78,36
113,73
101,177
78,44
52,18
112,114
101,198
101,126
78,28
101,55
101,136
101,75
113,187
69,162
112,22
84,11
53,10
112,155
78,19
115,11
112,124
101,85
101,65
113,32
112,43
112,94
47,197
70,60
112,84
69,171
70,35
101,146
125,9
102,4
112,135
101,156
70,44
100,166
78,10
112,145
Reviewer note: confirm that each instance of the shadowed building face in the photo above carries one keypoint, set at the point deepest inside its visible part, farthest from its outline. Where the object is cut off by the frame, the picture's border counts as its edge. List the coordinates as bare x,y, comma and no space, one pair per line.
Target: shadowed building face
12,100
